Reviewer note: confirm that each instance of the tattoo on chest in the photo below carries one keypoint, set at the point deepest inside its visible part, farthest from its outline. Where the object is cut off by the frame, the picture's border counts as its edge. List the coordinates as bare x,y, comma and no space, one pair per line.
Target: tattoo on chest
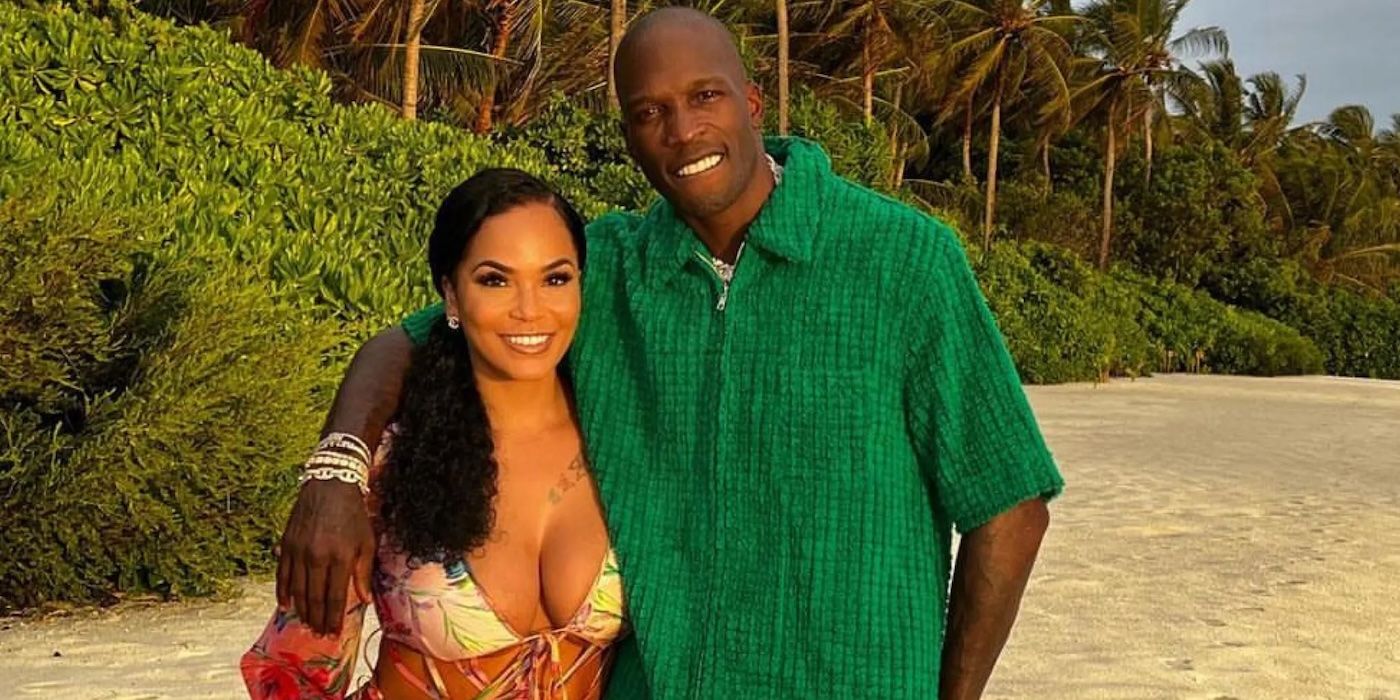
573,475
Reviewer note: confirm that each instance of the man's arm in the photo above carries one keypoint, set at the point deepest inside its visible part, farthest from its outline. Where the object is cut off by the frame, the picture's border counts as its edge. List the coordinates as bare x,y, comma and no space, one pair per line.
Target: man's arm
994,563
328,537
986,463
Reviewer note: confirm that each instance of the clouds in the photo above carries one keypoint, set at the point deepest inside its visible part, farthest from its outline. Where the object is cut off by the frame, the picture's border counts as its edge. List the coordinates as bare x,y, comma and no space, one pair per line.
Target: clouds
1345,47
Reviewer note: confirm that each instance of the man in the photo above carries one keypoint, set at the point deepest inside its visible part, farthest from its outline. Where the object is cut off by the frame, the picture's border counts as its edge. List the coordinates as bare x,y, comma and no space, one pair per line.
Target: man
792,393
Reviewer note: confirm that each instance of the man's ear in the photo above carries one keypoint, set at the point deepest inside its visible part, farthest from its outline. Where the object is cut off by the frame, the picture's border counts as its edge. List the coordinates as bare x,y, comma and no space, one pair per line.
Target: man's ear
754,95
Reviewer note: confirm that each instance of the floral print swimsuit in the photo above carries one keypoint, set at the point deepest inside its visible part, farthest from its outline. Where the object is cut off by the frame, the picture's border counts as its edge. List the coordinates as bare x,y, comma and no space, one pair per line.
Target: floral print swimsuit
442,638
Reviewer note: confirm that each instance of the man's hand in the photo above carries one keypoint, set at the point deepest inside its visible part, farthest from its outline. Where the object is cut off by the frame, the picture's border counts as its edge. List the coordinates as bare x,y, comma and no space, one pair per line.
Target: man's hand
994,563
329,537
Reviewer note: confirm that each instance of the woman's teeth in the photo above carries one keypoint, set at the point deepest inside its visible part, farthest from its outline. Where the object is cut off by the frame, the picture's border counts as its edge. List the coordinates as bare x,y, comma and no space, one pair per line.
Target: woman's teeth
527,341
700,166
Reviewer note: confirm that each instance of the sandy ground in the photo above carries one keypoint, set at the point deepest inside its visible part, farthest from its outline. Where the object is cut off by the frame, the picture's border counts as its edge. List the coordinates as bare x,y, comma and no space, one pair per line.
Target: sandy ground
1221,538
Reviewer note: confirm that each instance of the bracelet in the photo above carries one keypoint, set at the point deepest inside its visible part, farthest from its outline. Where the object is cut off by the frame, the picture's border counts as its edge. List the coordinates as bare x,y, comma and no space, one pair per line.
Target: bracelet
348,476
331,459
346,441
338,459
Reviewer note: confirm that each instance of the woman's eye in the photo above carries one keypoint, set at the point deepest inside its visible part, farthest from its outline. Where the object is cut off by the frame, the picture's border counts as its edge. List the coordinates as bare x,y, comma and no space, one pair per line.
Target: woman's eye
559,279
491,279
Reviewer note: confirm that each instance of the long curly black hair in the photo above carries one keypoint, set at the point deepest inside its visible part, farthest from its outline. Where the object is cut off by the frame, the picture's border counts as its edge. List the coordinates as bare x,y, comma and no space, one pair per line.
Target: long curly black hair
438,488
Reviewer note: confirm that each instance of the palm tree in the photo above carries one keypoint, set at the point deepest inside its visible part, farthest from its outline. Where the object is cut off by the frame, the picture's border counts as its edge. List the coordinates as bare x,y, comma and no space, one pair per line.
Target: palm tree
1334,175
412,48
784,39
1389,154
1005,48
509,19
1136,37
1116,98
398,53
1252,117
573,59
617,26
875,34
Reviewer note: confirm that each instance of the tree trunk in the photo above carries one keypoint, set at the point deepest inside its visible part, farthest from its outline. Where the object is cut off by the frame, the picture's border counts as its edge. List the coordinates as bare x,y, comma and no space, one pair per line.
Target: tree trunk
408,108
782,67
994,147
967,145
868,79
617,27
1147,131
498,50
1110,162
896,148
1045,166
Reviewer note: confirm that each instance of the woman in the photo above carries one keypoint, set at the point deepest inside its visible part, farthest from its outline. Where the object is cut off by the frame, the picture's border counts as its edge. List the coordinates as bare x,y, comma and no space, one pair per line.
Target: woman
494,576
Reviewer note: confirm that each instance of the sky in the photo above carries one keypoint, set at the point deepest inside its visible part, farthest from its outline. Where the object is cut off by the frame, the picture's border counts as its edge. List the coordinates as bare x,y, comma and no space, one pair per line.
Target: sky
1347,48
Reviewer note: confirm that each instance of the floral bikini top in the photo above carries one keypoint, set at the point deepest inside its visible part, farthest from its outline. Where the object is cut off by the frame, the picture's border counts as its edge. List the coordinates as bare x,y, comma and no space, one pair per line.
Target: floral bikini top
441,638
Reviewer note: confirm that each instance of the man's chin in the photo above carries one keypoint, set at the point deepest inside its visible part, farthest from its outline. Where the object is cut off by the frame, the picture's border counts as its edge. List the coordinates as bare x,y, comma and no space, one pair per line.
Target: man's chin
699,207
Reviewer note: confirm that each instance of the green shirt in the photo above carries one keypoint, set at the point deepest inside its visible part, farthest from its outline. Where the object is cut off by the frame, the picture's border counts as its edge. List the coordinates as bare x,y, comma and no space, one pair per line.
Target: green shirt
782,472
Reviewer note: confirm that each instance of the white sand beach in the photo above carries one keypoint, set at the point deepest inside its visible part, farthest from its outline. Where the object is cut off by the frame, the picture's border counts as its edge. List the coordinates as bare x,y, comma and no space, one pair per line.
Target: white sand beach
1220,538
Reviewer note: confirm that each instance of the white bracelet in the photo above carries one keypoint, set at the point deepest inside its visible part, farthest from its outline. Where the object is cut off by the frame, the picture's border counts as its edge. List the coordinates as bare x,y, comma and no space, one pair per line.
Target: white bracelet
348,476
346,441
333,460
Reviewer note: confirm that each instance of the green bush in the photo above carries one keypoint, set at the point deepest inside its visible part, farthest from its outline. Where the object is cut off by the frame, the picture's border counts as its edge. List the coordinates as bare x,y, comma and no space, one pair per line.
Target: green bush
858,151
1358,335
150,413
1195,333
1200,211
1064,321
331,201
1060,323
587,152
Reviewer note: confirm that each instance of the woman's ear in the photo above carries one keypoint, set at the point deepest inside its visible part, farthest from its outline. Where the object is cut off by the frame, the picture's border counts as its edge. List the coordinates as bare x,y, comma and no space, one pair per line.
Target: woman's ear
449,299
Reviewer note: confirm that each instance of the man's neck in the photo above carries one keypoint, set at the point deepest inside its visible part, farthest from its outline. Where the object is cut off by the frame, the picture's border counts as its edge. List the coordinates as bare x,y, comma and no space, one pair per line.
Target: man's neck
724,232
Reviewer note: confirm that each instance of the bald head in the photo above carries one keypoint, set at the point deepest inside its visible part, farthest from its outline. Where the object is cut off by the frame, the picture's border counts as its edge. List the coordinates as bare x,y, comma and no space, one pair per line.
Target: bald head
654,35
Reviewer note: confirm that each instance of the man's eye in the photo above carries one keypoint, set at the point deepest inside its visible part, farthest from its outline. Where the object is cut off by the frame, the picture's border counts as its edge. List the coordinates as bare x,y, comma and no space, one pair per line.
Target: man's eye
708,95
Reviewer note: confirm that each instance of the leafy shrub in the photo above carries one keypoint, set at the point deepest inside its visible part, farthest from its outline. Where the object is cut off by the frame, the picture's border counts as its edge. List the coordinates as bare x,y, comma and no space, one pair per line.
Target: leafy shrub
152,413
1195,333
588,154
1060,324
1200,211
331,201
1358,335
858,151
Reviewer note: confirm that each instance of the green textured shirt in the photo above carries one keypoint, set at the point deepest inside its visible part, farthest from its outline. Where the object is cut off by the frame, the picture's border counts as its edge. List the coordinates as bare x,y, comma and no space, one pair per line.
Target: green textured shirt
782,472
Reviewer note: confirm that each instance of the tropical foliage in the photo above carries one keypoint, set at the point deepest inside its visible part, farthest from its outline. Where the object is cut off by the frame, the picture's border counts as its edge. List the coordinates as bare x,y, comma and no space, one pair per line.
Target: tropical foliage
195,239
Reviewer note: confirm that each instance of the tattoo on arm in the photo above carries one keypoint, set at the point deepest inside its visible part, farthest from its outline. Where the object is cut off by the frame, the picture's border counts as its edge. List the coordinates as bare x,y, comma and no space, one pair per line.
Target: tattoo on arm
573,475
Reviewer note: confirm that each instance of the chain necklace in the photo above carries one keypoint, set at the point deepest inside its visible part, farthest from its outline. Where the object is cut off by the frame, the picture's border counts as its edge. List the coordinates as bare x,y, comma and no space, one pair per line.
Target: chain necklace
724,270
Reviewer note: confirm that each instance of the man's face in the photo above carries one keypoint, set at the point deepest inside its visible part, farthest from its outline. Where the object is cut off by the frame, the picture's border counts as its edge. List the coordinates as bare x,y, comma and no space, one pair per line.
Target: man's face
690,123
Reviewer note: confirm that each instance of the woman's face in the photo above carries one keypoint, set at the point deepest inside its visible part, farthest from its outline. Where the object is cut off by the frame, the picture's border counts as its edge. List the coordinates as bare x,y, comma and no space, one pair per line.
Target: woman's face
517,293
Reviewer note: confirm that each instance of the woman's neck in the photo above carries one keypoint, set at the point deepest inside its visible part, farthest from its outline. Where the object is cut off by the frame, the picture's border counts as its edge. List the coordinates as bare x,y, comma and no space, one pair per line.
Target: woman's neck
524,407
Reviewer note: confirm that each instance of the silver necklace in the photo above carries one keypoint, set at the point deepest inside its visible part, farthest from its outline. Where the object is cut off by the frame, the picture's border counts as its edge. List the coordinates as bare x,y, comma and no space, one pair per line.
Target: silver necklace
725,270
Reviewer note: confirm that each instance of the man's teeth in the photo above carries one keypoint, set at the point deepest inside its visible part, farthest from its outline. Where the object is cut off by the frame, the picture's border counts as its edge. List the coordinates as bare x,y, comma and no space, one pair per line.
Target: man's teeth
528,341
700,166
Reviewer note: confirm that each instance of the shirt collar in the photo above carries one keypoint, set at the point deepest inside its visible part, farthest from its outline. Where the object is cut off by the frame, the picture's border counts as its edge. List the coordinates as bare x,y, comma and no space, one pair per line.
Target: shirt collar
786,226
